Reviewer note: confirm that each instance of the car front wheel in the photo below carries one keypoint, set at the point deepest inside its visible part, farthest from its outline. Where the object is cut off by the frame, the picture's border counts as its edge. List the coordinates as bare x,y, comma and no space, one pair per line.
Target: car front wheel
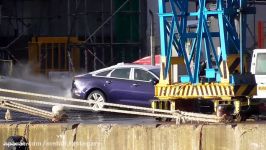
97,98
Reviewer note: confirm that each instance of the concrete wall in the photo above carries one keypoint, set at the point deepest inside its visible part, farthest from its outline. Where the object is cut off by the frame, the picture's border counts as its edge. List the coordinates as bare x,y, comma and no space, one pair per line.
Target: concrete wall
139,137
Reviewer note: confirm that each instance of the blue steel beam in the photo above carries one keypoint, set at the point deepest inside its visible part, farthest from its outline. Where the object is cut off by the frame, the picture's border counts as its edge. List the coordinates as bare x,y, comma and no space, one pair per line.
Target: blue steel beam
162,27
199,42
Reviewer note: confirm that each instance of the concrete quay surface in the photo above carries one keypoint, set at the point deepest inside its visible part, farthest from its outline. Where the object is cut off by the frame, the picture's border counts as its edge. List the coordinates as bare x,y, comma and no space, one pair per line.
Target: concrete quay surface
65,136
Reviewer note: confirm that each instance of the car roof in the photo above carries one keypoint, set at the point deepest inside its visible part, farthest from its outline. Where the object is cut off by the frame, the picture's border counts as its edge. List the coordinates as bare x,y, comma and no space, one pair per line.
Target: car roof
127,65
148,67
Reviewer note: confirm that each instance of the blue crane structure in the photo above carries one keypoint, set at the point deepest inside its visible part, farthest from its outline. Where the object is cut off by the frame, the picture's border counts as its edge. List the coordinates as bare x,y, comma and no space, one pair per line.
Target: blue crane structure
174,35
222,49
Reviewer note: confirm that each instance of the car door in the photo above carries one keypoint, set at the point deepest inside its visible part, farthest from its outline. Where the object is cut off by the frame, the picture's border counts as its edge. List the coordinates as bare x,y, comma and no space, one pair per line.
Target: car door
142,87
118,85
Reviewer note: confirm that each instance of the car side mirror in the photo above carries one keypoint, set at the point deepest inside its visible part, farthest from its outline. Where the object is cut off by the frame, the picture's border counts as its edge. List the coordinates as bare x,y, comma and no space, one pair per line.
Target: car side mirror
154,81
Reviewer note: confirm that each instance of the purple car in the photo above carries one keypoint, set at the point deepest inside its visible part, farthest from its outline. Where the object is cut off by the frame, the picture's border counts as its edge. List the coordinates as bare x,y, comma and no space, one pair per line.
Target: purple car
128,84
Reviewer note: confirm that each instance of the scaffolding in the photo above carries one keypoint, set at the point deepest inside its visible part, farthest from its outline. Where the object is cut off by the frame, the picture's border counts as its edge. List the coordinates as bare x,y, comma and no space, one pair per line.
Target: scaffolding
111,30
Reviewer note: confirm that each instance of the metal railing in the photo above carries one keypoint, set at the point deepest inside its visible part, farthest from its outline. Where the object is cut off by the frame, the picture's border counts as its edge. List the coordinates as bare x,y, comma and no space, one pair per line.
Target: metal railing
88,105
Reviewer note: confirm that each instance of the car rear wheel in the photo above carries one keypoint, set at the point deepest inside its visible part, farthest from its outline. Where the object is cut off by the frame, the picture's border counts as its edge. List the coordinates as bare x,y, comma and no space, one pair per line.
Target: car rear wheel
98,98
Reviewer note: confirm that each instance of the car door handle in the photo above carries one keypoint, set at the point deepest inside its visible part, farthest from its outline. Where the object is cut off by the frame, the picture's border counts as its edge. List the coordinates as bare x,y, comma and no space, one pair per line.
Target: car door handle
135,84
108,82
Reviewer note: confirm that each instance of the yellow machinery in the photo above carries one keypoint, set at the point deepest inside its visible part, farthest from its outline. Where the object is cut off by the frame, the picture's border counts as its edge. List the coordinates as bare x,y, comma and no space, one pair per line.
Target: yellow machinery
51,54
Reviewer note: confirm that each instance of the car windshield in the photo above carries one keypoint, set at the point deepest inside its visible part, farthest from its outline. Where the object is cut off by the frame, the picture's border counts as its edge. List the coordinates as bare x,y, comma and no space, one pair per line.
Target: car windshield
156,72
142,75
261,64
104,73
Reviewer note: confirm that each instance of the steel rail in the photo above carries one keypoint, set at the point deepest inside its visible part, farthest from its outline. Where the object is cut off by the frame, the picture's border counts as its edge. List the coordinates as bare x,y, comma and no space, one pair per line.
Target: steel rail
108,107
26,109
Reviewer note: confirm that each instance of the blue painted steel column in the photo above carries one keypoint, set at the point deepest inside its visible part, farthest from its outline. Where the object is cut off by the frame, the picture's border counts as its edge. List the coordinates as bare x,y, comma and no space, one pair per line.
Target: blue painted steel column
242,32
223,52
163,36
199,41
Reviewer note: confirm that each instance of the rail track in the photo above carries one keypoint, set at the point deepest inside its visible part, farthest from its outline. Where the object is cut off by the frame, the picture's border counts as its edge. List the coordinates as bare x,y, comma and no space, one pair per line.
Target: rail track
24,101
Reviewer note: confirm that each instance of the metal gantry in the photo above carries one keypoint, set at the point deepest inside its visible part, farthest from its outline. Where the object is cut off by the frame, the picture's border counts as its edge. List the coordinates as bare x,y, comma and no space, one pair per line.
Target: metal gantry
211,45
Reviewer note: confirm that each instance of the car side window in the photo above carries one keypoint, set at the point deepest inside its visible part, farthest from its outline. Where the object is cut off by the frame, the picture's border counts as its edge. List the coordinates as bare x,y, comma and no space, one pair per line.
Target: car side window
142,75
104,73
122,73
